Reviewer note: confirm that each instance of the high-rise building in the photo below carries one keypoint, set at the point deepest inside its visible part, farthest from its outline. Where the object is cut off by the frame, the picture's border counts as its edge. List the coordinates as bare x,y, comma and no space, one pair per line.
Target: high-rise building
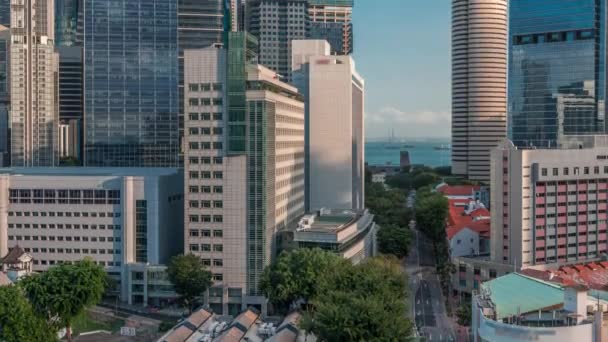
276,24
549,205
479,84
5,13
67,15
557,72
201,23
71,111
244,167
5,43
33,65
131,83
334,94
331,20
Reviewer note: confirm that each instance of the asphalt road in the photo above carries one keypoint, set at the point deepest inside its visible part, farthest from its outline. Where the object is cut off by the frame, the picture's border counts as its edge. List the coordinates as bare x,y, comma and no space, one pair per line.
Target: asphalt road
427,306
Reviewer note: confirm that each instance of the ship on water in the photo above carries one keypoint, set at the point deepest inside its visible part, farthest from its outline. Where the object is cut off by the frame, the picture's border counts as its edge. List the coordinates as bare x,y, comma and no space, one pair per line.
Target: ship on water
443,148
394,144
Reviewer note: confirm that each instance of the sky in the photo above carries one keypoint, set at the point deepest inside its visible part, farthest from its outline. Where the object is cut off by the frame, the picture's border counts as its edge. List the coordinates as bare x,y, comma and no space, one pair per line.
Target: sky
402,50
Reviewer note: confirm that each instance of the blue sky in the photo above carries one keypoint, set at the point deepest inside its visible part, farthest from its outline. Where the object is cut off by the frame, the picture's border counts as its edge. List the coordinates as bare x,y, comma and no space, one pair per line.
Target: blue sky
402,49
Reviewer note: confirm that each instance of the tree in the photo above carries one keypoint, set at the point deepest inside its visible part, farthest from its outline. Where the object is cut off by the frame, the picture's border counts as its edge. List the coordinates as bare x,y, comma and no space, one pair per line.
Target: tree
295,276
63,292
464,314
431,215
362,303
18,321
189,278
424,179
393,240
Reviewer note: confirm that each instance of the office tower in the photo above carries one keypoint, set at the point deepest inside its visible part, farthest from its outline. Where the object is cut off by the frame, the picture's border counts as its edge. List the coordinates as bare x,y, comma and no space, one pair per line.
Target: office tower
71,111
5,13
33,76
244,167
5,42
275,24
479,84
122,218
131,83
557,73
332,20
549,205
334,94
201,23
67,15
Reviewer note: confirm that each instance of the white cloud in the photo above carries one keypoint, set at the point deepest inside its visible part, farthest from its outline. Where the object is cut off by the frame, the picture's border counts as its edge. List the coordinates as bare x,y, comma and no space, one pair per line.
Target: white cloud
420,124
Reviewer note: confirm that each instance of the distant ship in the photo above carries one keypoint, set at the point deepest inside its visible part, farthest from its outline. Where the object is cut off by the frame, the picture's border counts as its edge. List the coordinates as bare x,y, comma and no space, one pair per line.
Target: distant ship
394,144
442,148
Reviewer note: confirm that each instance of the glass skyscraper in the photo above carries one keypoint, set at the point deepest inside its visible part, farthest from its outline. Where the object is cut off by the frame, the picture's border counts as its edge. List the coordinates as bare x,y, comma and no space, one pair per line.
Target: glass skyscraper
556,70
66,22
332,20
5,13
131,83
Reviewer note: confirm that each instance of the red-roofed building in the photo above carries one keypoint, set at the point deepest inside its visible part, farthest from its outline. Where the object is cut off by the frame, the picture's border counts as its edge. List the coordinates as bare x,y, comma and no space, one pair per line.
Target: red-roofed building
468,225
593,275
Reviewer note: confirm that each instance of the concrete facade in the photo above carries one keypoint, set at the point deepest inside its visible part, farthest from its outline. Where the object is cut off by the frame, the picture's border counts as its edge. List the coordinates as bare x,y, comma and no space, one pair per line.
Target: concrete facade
237,201
335,98
118,217
548,205
479,84
34,65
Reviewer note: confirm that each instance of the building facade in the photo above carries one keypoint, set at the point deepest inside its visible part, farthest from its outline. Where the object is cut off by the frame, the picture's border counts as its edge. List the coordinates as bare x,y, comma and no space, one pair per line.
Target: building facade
334,94
548,205
71,103
276,24
201,23
67,15
548,97
5,147
118,217
244,167
5,13
479,84
131,83
331,20
33,71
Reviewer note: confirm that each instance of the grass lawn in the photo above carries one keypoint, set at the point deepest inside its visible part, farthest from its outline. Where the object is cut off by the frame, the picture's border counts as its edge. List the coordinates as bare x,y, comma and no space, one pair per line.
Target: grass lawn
84,323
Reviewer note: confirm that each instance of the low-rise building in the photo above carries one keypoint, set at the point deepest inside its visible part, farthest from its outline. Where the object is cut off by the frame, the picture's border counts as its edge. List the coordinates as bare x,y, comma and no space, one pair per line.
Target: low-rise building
349,233
16,264
516,308
116,216
468,228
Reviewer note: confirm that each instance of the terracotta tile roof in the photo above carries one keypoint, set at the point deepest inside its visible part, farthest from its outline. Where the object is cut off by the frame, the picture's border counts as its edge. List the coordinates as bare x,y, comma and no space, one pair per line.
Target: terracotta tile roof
13,255
481,227
458,190
593,274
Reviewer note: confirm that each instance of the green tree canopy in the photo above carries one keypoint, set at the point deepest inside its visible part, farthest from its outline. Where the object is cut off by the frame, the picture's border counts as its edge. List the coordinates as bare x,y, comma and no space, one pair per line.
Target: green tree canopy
393,240
362,303
18,321
431,214
189,278
295,275
65,291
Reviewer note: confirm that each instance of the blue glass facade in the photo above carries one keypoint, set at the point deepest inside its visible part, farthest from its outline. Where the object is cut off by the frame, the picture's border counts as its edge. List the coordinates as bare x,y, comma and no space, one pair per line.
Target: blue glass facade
556,70
334,33
66,22
5,12
131,83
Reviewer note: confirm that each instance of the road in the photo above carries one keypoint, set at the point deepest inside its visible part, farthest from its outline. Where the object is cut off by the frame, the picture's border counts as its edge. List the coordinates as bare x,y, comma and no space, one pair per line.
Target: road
427,306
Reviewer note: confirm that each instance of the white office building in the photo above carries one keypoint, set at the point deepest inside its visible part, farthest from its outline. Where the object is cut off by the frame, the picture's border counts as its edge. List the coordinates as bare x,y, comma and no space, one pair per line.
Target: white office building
119,217
244,168
334,94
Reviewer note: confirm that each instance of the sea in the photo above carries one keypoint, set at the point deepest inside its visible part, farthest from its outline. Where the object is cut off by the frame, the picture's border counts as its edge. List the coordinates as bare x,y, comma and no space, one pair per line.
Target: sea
421,152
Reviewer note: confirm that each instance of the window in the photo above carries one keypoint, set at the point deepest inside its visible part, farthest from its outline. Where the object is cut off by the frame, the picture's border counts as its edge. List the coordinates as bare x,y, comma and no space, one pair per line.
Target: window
193,116
217,116
218,189
218,218
218,262
218,233
207,262
543,171
193,101
218,204
217,86
596,170
218,160
566,171
555,171
205,86
586,170
193,87
576,171
206,247
218,248
193,248
218,175
206,233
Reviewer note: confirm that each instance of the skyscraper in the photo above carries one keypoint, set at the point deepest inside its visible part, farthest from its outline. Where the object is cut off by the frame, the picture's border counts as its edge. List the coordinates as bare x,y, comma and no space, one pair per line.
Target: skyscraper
5,13
66,22
131,83
275,24
244,167
334,94
201,23
5,42
557,71
479,81
331,20
33,78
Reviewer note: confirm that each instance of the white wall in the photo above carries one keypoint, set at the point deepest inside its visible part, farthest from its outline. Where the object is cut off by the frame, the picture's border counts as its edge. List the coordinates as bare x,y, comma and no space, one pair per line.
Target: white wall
469,243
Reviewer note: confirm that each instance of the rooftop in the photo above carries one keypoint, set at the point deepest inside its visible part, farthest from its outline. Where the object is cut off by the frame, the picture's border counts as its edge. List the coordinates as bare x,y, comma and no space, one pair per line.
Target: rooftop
457,190
592,274
462,215
13,256
88,171
515,294
332,226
